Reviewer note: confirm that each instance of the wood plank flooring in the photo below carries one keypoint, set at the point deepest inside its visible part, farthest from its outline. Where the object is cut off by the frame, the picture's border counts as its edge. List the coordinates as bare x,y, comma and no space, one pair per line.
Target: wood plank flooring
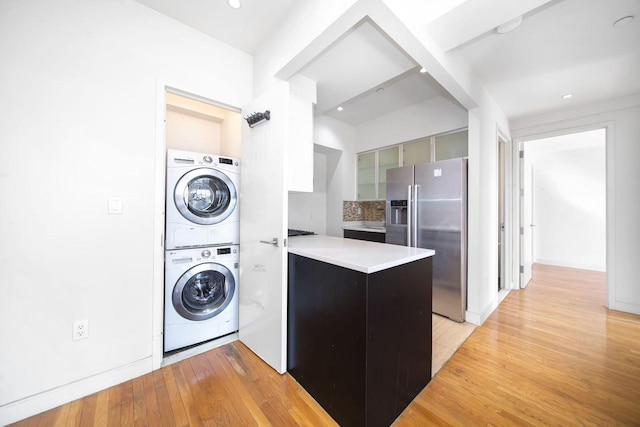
551,354
447,336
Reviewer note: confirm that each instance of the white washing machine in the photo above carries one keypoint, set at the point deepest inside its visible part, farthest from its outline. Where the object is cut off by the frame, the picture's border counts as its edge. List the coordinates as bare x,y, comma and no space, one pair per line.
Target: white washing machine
202,200
201,295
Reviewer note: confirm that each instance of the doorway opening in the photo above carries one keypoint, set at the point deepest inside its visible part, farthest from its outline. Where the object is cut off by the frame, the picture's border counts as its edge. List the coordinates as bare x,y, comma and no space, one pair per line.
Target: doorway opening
184,121
563,202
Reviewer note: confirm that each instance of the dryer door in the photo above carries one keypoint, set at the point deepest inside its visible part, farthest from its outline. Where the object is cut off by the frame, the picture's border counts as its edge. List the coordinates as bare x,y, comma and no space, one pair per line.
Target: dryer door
203,291
205,196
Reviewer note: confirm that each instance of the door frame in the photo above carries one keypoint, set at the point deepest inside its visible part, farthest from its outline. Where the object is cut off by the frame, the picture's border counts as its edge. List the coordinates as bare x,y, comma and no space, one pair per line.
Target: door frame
510,183
163,86
525,230
502,165
609,185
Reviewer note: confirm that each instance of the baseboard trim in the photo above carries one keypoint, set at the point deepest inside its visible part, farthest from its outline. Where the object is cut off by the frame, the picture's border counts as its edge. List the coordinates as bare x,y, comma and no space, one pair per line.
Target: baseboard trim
479,318
592,267
35,404
193,351
626,307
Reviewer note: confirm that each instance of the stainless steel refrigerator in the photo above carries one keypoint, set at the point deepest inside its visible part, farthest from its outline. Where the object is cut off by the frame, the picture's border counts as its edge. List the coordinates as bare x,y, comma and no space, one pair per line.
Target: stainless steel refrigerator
427,208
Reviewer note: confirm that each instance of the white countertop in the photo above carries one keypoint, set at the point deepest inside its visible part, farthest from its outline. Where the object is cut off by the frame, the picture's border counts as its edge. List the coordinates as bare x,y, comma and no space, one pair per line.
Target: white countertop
359,255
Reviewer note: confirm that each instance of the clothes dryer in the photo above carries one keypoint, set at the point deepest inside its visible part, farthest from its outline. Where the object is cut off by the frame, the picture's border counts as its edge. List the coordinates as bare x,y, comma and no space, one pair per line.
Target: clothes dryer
201,295
202,200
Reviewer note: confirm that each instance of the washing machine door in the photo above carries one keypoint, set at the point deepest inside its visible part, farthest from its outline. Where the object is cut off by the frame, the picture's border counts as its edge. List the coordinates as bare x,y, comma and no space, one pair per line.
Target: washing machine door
203,291
205,196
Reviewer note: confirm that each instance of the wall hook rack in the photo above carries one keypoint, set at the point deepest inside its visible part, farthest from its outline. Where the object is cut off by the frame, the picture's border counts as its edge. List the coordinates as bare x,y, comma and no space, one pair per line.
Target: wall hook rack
255,119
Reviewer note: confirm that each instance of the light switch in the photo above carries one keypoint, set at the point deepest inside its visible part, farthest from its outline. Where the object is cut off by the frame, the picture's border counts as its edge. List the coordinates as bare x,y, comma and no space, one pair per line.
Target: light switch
115,206
437,172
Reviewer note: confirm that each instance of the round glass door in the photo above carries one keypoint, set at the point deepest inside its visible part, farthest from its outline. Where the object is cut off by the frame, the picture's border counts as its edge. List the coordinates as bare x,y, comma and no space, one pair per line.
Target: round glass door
205,196
203,291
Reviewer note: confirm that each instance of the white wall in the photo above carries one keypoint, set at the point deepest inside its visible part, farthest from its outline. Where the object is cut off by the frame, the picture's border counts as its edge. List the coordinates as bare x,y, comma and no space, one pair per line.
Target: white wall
431,117
337,140
195,125
231,135
569,200
620,117
186,132
482,260
308,211
78,101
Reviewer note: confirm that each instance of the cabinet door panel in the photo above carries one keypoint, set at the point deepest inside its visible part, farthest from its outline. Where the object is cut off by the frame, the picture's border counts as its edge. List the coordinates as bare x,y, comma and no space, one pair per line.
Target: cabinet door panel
416,152
367,176
387,159
452,145
327,336
399,339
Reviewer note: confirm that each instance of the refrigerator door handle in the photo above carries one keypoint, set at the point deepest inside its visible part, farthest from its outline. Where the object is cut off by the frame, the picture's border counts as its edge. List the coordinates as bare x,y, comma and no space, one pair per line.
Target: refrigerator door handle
409,215
414,225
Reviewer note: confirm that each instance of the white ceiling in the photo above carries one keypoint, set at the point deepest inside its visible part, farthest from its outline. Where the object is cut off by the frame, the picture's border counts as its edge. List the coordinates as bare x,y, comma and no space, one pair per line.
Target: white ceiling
244,28
368,76
562,46
568,46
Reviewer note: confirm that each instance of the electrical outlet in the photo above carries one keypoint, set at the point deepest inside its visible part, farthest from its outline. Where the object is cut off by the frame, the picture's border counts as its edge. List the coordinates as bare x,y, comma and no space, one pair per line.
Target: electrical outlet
80,329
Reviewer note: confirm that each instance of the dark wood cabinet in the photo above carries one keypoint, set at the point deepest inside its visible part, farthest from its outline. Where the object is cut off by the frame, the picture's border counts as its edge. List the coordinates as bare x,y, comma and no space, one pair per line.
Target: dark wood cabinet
371,236
359,343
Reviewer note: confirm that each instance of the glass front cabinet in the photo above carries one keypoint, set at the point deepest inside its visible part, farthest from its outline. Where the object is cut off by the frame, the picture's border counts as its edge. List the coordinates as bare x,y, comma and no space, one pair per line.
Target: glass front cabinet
372,172
373,165
367,185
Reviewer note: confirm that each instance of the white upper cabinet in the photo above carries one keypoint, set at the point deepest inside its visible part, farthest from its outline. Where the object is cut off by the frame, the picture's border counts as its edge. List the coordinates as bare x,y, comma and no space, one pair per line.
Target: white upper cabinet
302,96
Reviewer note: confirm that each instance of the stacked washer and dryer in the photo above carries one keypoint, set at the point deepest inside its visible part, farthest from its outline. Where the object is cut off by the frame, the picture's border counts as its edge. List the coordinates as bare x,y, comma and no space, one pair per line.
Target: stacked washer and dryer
202,237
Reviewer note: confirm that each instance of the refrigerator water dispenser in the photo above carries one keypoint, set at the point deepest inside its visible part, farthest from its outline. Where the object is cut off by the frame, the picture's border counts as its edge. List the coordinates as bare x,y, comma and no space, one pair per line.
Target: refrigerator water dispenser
398,212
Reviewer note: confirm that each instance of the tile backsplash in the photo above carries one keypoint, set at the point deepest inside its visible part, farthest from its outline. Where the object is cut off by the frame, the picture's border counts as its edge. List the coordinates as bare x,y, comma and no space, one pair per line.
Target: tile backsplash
363,211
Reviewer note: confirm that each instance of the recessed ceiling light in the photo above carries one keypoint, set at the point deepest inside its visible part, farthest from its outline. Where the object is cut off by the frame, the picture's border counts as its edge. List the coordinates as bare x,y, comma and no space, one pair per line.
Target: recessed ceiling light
234,3
622,21
340,108
567,96
380,90
423,70
509,26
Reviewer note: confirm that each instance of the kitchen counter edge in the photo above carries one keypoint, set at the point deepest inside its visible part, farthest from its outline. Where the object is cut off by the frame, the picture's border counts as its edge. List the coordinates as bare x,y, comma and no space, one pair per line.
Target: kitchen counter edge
363,256
367,228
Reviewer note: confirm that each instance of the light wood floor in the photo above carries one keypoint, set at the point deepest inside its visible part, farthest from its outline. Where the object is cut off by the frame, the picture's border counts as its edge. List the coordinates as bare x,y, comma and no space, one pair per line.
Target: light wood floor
447,337
551,354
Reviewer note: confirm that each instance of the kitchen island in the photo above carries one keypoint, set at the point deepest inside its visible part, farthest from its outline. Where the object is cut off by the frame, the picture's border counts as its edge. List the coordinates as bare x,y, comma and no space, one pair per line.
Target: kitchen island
359,326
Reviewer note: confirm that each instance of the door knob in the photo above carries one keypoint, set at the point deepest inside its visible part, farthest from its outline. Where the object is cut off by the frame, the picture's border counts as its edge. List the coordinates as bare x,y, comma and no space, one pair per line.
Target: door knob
273,241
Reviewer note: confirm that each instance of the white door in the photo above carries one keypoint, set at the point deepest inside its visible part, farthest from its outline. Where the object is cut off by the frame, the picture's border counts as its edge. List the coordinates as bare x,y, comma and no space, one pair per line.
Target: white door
263,219
526,220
